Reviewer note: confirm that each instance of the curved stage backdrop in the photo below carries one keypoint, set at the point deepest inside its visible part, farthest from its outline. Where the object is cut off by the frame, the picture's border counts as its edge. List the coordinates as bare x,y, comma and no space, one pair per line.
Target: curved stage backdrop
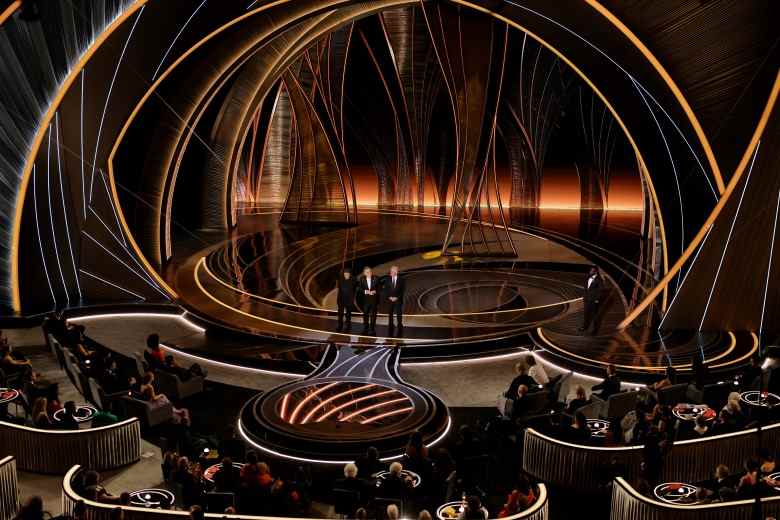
231,160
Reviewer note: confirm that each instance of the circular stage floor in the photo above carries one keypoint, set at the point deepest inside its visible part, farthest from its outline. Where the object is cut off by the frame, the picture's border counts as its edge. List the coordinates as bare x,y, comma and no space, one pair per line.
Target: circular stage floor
274,284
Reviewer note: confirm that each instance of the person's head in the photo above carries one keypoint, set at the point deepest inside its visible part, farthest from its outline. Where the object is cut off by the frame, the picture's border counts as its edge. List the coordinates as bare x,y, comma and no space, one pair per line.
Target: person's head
148,377
392,512
580,392
350,470
372,453
34,505
733,402
196,513
522,390
722,471
396,468
701,422
153,342
251,457
361,514
594,270
70,407
424,515
263,469
530,360
227,462
473,503
367,271
611,370
124,498
169,360
751,465
394,271
91,478
521,367
347,274
39,407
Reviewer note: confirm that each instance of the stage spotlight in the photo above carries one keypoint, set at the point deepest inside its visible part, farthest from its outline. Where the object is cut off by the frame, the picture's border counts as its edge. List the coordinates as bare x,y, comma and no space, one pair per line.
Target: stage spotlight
29,10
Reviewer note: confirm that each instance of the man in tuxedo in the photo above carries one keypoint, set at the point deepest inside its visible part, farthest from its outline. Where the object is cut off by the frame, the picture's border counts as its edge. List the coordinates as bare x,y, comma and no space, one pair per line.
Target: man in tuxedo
368,288
610,385
344,300
591,299
394,292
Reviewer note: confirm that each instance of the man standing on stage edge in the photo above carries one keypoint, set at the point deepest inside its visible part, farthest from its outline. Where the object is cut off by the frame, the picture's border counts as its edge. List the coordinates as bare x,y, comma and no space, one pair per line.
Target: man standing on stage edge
344,300
394,291
591,299
369,287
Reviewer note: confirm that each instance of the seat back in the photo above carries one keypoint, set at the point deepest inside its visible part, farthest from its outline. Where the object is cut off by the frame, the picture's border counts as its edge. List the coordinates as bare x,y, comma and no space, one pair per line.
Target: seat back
672,394
620,404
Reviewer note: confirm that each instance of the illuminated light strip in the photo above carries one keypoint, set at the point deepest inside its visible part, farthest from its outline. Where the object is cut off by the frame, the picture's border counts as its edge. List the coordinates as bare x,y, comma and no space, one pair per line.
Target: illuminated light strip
283,407
180,317
81,143
363,360
388,414
731,347
104,248
9,11
353,402
742,358
108,98
523,352
674,171
679,288
51,217
112,284
64,208
113,207
308,398
202,262
170,47
376,364
640,158
350,358
660,286
329,400
373,407
670,83
728,238
40,240
769,268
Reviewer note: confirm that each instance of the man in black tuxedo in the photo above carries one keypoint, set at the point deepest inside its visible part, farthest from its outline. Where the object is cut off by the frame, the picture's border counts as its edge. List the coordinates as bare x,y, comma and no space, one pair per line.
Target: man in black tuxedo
591,298
345,299
368,288
610,385
394,292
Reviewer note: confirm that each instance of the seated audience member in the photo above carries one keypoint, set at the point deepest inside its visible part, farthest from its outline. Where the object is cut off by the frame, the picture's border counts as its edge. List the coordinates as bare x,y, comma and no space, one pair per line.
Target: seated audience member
519,499
723,484
40,416
416,455
536,371
723,424
196,513
474,509
95,491
580,400
734,410
521,378
361,514
68,417
250,473
702,428
369,464
669,379
392,512
147,393
154,356
748,486
610,384
76,340
10,363
519,402
767,459
351,482
424,515
578,432
31,510
228,478
395,485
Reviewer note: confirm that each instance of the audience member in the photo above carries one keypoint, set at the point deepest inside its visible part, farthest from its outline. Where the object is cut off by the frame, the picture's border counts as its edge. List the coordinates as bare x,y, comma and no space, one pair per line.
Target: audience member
228,478
474,509
395,485
31,510
154,356
521,378
536,371
369,464
67,419
94,490
392,512
580,400
610,384
40,416
147,393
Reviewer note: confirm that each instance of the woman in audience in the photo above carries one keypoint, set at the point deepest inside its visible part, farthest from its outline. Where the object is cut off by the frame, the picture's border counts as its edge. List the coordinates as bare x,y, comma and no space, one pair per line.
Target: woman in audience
154,355
147,393
519,499
749,483
40,416
250,472
536,371
734,410
12,364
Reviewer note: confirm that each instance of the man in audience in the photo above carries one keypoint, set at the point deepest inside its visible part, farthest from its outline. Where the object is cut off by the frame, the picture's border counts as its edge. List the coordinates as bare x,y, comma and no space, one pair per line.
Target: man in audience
228,478
395,485
369,464
351,482
610,384
68,417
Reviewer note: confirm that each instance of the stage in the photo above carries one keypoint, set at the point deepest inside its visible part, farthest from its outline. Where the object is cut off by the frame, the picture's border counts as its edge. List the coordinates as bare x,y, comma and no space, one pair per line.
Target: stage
269,294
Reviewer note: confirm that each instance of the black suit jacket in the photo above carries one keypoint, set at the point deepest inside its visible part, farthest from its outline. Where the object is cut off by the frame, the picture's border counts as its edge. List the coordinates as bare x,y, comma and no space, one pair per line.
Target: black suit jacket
346,291
593,293
376,287
396,290
609,386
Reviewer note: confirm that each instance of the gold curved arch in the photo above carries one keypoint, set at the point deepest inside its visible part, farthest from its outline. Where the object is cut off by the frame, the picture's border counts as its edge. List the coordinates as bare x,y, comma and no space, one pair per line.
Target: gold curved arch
101,38
9,11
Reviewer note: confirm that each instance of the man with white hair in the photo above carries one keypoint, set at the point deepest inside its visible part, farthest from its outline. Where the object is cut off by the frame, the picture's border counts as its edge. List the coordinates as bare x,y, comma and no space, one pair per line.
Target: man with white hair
392,512
394,292
351,482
